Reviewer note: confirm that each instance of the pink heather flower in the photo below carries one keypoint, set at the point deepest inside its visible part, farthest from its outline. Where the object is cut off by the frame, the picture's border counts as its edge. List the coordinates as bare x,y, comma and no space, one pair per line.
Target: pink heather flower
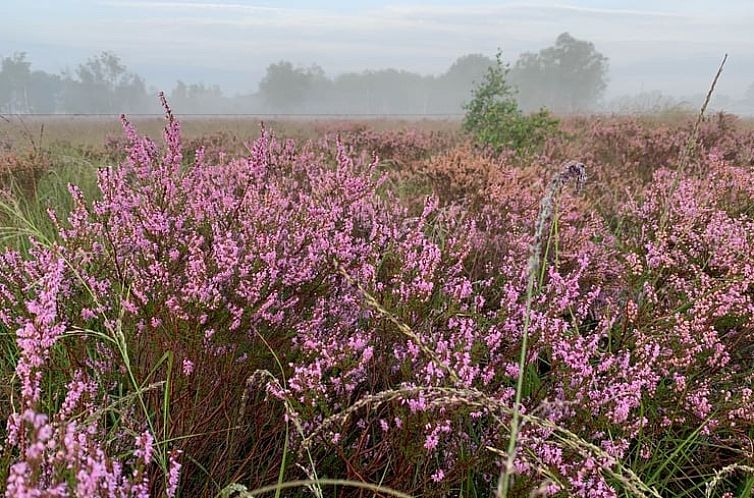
367,354
129,306
511,370
431,441
188,367
438,476
174,473
37,336
19,482
144,448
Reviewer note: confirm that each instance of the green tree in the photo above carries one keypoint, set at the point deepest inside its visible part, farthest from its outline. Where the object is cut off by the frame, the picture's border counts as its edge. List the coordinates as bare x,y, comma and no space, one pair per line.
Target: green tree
384,91
450,90
494,119
15,75
23,90
44,92
199,98
103,84
568,77
285,88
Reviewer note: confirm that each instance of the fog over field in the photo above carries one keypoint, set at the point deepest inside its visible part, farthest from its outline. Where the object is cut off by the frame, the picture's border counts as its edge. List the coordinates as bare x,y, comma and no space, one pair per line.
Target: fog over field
373,57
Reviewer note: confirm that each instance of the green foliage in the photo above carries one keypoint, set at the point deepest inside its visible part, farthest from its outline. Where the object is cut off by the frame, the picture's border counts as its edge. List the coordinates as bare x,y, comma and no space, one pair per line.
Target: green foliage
104,84
285,87
25,202
494,119
23,90
570,76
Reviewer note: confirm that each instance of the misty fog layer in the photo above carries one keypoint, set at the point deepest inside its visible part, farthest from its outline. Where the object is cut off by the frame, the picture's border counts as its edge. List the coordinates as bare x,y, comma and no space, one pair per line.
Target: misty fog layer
569,77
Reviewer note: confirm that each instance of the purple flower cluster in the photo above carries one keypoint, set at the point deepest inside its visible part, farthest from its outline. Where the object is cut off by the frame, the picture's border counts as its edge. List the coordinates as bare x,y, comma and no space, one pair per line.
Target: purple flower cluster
303,256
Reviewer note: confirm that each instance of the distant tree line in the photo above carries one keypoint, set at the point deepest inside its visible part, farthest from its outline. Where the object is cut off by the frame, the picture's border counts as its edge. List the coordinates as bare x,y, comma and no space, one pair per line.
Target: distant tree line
102,84
569,76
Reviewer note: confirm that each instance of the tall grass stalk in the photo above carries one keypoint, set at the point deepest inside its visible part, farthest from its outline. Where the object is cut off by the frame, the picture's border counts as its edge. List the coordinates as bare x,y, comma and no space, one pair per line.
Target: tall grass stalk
571,170
691,144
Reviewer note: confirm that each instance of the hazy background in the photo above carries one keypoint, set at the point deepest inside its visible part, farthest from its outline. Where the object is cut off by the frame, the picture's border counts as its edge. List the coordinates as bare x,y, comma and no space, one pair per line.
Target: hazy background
367,57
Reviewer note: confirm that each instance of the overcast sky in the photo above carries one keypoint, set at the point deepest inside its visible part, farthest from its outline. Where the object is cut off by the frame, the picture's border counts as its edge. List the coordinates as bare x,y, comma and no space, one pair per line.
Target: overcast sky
669,45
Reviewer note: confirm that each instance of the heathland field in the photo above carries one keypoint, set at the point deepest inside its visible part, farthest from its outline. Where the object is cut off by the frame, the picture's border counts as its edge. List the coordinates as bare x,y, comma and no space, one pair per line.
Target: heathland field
331,308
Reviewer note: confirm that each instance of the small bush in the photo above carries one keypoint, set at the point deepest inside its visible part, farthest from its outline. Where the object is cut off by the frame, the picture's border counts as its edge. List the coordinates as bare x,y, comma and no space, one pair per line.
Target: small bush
494,119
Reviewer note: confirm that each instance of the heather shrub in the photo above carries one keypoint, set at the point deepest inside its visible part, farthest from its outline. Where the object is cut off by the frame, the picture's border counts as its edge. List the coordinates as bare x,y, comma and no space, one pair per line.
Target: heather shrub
398,147
69,451
459,175
197,321
188,269
624,153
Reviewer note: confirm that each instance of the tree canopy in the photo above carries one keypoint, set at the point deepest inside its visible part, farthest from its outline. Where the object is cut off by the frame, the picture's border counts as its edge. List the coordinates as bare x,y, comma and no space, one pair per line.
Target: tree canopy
570,76
103,84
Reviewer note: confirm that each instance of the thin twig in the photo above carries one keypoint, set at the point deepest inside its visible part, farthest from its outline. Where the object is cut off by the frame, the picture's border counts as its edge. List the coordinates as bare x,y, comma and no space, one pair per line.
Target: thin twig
694,137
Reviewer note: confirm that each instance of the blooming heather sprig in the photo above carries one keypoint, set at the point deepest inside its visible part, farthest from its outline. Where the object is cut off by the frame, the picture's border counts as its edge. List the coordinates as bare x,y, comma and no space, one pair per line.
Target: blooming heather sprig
174,473
39,332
